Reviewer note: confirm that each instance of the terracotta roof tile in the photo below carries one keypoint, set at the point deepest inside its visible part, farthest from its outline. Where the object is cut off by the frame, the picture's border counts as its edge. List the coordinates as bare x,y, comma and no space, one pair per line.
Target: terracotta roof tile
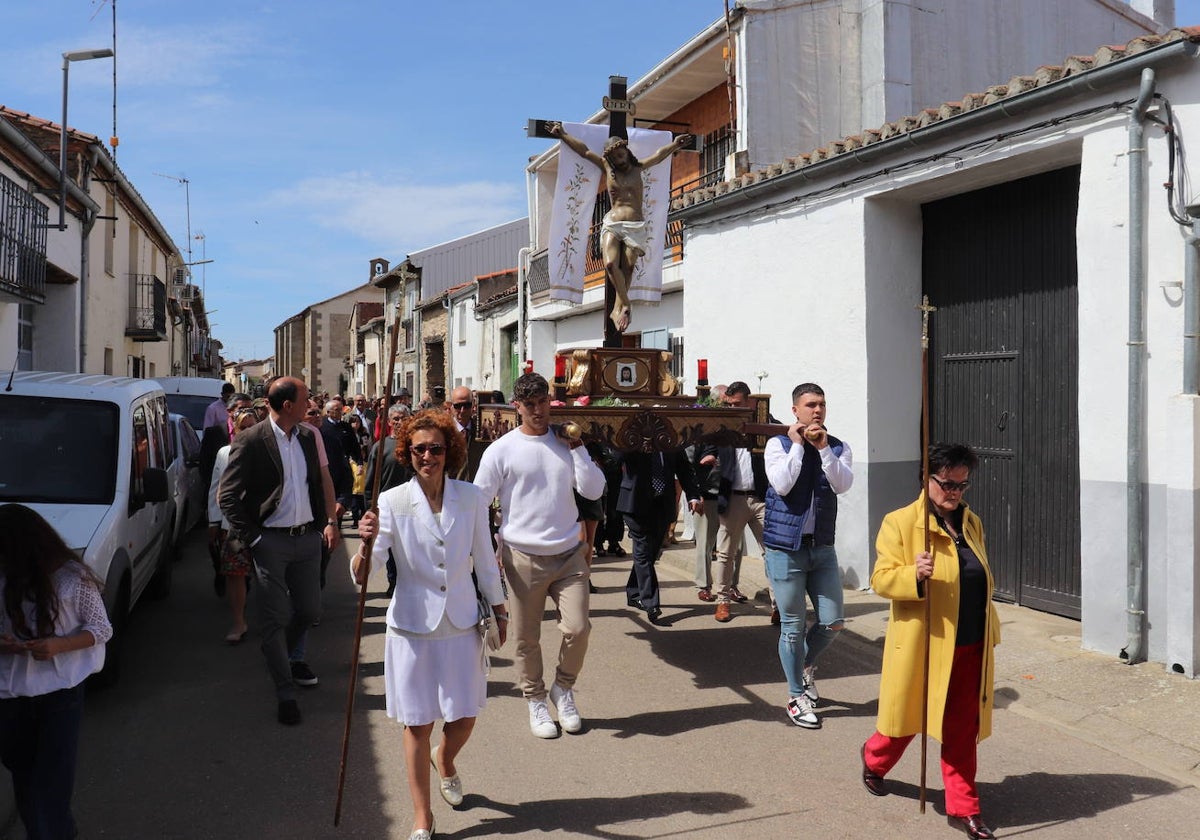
1077,64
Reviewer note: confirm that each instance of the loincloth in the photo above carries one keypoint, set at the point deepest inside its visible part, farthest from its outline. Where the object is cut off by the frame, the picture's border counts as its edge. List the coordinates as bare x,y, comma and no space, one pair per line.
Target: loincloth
636,234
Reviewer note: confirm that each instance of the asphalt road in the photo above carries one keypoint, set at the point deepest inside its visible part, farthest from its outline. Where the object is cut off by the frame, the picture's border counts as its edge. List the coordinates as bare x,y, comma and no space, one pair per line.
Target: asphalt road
685,736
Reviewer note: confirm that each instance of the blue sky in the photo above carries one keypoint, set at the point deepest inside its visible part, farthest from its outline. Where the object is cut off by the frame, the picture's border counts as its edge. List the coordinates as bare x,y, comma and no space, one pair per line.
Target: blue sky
318,135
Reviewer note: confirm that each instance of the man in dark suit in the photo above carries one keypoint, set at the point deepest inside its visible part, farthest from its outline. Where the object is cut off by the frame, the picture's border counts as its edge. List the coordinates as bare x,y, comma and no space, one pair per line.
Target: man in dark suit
647,500
338,436
363,409
273,497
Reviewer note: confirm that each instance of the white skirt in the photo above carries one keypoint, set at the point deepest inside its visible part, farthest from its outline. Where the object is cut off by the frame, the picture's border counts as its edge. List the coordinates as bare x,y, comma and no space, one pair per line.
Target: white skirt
427,679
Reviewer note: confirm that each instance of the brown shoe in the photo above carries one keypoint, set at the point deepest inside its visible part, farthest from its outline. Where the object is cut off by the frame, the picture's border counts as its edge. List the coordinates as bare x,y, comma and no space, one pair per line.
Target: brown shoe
736,596
706,595
873,782
722,613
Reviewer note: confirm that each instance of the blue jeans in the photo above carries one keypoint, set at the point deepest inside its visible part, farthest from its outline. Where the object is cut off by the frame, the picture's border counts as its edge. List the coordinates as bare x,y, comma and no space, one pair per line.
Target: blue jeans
39,741
812,571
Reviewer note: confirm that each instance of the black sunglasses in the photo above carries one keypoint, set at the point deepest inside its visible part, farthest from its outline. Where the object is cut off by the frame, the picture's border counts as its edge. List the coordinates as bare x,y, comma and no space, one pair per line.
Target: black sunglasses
459,406
433,449
951,486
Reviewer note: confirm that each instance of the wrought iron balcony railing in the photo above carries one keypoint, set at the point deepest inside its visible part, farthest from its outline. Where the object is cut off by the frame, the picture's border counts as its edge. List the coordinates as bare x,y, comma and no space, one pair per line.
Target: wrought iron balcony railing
22,244
147,308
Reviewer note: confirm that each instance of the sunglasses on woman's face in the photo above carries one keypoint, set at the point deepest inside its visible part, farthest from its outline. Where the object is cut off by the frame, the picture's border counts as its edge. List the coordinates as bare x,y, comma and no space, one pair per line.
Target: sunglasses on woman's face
951,486
434,449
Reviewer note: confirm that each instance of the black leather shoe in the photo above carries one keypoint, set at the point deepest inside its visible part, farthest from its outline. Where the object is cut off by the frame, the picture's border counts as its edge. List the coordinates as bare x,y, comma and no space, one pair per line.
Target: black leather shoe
636,603
974,825
654,616
289,712
872,782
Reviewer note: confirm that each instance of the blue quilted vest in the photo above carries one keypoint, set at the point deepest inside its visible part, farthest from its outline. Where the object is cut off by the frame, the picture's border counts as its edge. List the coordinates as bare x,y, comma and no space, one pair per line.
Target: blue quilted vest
786,514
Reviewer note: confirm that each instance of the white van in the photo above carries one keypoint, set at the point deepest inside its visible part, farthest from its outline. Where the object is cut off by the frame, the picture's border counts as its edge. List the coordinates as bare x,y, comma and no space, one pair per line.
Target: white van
191,396
89,453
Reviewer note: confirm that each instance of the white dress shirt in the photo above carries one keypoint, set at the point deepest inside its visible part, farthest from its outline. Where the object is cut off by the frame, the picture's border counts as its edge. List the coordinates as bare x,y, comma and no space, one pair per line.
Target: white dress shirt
294,506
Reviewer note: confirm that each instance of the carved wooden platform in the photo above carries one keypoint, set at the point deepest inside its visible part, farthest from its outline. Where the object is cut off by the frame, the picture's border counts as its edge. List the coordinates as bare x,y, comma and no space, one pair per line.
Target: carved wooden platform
656,426
652,414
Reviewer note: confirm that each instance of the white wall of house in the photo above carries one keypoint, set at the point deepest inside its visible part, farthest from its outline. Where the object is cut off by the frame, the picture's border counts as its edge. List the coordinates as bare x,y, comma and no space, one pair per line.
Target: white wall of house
465,344
817,71
823,289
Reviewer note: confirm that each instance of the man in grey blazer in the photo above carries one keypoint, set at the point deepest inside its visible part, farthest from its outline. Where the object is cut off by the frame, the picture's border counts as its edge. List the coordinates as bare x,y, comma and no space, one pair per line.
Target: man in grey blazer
272,495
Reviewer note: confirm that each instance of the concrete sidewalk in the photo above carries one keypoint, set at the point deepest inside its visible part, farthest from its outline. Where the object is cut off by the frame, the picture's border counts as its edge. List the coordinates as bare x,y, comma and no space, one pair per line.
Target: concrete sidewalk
1142,712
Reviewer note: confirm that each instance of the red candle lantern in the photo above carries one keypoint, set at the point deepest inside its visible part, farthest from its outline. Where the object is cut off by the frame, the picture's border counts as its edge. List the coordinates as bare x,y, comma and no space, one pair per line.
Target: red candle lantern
702,371
560,367
529,366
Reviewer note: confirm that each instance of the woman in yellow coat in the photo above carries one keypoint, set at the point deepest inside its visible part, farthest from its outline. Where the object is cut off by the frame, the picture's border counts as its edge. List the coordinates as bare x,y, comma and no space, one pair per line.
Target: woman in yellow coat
964,629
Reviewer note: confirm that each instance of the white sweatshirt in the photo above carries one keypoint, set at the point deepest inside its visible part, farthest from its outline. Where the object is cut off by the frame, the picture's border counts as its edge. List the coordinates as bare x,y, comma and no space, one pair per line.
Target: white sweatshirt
533,476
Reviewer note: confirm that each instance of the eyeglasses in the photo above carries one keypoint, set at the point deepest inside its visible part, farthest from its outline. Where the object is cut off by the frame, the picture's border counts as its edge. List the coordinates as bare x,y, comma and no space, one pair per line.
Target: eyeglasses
312,412
460,406
951,486
434,449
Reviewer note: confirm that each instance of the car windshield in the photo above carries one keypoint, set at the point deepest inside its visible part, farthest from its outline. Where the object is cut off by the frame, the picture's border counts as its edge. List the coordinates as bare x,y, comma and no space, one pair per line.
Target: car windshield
57,451
191,406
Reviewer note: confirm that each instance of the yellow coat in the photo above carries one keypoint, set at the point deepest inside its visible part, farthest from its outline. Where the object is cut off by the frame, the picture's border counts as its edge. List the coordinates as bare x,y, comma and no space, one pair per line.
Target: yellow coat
901,538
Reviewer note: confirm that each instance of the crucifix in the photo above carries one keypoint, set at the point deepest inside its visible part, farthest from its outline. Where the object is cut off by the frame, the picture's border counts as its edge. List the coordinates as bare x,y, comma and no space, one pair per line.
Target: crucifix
623,238
926,309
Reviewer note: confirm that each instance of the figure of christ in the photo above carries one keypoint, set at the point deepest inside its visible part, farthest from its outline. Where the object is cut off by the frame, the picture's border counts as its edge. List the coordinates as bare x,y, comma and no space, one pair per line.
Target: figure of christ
623,234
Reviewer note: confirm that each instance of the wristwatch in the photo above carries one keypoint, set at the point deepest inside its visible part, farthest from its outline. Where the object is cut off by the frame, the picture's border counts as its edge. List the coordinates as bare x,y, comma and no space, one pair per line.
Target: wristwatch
331,522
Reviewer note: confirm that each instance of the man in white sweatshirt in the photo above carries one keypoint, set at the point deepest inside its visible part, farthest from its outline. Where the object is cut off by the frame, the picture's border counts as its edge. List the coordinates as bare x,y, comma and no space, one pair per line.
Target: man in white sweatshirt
532,470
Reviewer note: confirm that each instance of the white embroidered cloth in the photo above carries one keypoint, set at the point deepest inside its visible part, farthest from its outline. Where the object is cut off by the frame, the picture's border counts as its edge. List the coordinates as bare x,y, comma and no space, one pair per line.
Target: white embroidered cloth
571,216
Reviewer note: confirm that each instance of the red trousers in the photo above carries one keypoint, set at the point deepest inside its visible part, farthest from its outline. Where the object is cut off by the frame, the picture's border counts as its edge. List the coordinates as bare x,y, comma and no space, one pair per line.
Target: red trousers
960,734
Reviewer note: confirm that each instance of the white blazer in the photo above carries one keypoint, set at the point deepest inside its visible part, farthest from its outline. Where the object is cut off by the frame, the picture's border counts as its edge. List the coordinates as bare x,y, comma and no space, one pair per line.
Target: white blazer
434,562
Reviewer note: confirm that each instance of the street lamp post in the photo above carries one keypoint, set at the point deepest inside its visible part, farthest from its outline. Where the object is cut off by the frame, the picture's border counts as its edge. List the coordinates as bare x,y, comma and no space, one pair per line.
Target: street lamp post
68,57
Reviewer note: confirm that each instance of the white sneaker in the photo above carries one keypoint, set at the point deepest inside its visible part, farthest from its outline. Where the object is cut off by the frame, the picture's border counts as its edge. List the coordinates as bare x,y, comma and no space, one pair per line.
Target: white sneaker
568,715
540,722
800,710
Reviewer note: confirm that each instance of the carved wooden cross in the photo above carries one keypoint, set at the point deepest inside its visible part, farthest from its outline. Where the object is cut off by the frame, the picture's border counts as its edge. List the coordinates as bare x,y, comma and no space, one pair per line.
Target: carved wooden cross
619,109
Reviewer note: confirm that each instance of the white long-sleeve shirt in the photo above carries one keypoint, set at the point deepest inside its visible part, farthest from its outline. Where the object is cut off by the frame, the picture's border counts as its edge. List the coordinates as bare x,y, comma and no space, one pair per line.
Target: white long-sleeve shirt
783,470
533,476
80,607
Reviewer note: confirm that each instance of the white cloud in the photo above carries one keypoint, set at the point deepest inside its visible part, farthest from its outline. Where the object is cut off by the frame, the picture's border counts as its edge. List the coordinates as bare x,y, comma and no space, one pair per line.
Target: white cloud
401,215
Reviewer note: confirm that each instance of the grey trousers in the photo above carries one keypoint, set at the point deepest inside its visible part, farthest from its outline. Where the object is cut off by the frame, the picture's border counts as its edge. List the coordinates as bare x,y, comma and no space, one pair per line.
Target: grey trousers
287,574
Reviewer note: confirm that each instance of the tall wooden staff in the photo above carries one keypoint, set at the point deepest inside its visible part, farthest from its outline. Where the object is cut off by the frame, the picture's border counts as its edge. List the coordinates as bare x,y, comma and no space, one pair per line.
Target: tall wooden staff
362,590
925,310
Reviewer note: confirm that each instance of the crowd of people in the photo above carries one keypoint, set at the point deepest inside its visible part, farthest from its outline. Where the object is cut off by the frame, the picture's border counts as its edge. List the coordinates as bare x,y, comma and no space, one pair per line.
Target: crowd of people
516,528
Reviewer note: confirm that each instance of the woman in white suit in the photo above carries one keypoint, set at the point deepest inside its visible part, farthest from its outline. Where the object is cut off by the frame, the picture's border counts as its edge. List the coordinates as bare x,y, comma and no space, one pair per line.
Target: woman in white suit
437,531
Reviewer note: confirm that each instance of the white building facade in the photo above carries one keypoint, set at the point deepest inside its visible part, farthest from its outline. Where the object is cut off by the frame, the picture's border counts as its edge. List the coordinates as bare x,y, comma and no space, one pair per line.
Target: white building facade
1063,348
802,73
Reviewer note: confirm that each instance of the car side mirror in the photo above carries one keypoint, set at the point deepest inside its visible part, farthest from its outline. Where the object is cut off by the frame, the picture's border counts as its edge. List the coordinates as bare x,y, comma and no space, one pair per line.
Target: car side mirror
154,485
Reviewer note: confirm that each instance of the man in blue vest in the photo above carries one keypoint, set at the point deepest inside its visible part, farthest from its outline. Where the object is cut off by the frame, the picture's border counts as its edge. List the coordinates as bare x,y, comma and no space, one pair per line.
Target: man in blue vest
806,469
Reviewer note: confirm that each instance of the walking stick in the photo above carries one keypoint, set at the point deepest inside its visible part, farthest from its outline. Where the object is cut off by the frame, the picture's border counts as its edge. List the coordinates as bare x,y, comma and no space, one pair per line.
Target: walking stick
925,310
362,589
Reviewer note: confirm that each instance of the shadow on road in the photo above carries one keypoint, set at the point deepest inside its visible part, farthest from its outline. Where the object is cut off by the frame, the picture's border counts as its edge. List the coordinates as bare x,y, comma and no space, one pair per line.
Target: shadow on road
584,817
1041,799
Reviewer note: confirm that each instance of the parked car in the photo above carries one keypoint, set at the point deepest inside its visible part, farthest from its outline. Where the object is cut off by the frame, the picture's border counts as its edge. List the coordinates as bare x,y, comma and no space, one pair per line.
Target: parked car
90,454
190,396
183,476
